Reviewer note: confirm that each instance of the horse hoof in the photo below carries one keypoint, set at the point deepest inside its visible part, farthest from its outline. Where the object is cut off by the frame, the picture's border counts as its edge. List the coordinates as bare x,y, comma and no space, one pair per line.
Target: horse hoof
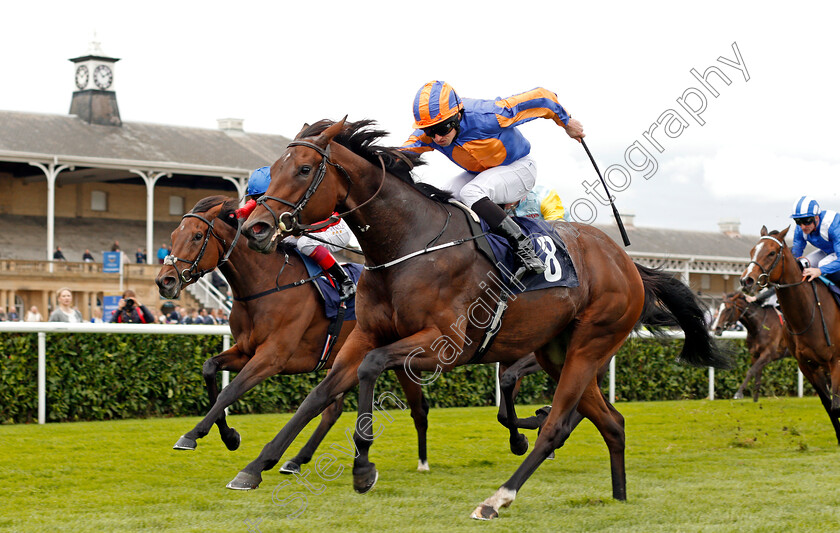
232,440
245,481
519,444
738,396
185,443
422,466
484,512
290,467
365,481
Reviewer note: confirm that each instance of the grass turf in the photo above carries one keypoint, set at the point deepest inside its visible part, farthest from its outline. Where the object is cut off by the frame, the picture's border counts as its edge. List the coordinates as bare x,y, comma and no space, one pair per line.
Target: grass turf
691,466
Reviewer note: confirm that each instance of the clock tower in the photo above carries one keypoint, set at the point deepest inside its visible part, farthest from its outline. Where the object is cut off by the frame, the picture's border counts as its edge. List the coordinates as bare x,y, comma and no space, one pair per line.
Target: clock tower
94,99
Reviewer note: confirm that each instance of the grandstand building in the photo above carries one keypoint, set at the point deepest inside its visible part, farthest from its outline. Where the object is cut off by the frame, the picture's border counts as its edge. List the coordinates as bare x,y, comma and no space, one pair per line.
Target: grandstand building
87,179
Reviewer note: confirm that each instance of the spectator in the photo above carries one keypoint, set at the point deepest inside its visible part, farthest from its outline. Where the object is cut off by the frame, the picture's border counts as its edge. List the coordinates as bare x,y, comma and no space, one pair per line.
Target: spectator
58,255
116,246
140,256
65,311
87,257
96,317
169,314
205,317
162,253
33,315
220,316
12,315
192,317
2,314
131,311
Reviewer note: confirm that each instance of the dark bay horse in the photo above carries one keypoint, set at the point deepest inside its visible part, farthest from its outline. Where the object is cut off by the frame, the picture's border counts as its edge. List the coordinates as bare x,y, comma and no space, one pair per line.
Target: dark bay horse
812,319
425,300
275,331
765,337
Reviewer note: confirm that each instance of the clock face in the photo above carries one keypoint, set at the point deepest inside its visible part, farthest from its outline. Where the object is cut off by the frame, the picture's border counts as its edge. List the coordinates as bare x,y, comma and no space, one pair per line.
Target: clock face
82,75
102,76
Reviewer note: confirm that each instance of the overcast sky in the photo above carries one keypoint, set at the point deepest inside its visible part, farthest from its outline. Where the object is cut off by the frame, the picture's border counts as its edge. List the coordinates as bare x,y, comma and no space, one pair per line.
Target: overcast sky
617,67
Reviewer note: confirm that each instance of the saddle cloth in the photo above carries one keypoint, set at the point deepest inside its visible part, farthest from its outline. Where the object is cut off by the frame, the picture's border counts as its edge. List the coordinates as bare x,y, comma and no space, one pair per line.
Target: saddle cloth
559,272
328,292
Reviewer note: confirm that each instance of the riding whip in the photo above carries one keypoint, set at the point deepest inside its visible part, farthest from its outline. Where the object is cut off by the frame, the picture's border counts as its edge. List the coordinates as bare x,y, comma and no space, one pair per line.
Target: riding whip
609,196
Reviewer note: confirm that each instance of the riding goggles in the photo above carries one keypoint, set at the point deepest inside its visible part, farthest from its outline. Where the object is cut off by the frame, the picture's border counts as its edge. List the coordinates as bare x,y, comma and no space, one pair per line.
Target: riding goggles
442,128
804,221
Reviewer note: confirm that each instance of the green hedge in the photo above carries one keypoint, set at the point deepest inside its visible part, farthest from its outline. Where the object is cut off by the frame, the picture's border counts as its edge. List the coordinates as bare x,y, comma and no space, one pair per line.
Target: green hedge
102,377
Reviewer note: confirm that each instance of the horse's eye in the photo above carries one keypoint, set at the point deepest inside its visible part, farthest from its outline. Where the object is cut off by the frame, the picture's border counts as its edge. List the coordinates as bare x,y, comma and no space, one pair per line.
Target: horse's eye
771,254
197,236
305,170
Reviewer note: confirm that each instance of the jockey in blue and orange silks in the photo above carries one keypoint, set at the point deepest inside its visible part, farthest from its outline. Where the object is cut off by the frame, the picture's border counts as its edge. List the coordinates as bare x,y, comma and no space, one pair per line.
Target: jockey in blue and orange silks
481,137
337,236
822,230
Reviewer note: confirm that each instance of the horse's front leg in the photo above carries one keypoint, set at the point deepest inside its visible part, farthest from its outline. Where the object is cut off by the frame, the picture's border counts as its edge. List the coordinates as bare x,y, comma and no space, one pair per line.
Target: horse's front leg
817,379
338,381
232,359
412,354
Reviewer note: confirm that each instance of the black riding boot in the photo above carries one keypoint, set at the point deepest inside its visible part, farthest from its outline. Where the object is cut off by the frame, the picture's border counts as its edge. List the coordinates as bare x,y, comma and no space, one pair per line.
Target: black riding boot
501,224
345,285
522,246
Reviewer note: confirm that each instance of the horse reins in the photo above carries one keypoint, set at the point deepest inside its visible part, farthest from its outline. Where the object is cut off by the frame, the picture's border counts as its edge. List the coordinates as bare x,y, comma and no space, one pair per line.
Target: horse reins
191,274
764,280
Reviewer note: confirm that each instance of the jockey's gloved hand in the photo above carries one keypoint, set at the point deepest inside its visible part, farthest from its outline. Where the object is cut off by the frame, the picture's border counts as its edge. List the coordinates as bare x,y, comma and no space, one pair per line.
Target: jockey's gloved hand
245,210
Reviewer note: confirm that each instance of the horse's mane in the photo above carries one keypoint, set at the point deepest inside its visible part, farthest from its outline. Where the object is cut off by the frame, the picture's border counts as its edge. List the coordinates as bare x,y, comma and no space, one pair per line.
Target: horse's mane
360,137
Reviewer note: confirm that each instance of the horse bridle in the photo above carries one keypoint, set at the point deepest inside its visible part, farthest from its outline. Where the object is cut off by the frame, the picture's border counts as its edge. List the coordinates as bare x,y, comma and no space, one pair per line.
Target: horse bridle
191,274
297,207
293,215
764,278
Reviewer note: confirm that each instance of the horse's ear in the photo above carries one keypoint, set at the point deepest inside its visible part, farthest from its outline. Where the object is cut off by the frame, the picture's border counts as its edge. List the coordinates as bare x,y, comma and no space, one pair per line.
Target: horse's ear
783,233
324,139
300,133
763,231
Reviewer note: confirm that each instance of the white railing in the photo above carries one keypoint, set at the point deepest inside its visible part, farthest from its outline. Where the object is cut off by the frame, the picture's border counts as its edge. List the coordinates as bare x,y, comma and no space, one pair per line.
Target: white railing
42,328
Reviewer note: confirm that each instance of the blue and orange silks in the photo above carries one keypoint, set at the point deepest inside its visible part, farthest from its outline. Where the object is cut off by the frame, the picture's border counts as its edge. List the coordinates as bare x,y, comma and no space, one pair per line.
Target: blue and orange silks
488,136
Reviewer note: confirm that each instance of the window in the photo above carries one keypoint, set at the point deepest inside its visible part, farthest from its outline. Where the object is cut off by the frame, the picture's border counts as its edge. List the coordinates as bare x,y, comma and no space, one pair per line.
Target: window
98,201
176,205
705,282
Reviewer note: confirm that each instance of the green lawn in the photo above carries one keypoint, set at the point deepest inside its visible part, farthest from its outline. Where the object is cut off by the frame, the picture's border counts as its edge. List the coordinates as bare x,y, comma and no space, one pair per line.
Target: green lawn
691,466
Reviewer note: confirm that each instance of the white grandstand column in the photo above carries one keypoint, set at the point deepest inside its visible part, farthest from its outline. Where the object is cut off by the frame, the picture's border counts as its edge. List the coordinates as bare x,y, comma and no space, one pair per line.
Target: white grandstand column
241,185
150,179
51,172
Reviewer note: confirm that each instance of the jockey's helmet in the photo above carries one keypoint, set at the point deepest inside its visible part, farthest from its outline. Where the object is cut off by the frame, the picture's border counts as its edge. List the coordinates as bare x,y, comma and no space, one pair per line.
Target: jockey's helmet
805,207
435,102
258,182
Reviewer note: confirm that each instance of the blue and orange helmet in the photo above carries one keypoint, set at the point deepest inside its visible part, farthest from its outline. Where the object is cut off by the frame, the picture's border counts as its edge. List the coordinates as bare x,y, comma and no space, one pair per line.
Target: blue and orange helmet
805,207
435,102
258,182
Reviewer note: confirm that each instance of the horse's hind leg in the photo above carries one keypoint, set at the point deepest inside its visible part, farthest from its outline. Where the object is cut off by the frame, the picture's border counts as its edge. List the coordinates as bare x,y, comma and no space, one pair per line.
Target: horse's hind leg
328,420
610,424
590,347
509,383
254,371
818,380
419,413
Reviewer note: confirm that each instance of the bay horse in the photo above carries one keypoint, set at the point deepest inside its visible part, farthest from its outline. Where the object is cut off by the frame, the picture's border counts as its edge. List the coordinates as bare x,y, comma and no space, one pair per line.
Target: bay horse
266,333
812,319
765,337
423,300
277,321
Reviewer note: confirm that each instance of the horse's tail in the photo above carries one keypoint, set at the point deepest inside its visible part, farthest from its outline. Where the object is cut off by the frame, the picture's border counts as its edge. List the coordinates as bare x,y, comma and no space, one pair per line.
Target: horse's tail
668,302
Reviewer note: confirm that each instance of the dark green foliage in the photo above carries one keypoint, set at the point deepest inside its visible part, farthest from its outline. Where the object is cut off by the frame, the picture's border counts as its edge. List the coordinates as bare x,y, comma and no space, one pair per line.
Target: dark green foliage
101,377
